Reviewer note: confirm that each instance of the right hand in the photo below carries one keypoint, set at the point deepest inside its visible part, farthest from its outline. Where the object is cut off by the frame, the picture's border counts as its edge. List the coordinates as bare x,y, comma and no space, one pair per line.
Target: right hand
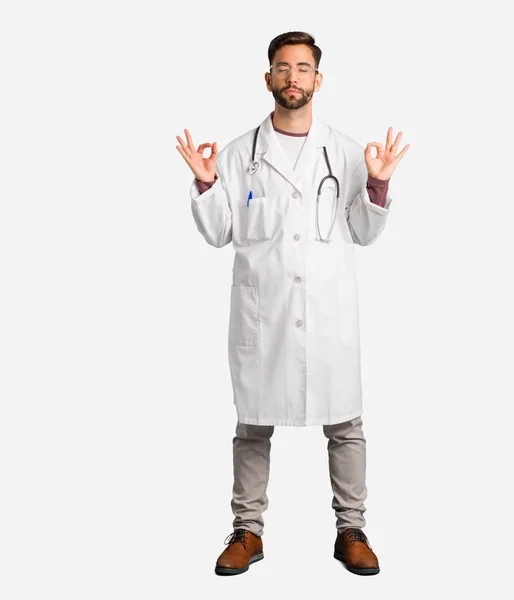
203,168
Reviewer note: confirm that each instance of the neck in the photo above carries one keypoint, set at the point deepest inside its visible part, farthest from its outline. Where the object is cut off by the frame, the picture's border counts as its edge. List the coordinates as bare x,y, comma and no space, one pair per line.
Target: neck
292,121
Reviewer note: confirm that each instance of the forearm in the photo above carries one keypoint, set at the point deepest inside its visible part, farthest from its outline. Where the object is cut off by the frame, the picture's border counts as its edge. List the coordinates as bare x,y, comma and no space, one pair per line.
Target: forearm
377,190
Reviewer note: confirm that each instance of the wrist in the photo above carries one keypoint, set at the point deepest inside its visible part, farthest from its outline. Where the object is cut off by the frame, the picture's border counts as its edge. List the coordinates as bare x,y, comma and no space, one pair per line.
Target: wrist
210,181
376,180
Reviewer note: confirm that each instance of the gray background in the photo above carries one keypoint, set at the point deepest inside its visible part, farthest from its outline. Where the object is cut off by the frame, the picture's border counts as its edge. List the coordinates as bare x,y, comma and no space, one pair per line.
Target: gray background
116,418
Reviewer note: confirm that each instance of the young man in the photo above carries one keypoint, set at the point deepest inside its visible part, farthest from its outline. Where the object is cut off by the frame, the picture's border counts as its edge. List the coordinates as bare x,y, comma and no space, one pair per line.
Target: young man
293,197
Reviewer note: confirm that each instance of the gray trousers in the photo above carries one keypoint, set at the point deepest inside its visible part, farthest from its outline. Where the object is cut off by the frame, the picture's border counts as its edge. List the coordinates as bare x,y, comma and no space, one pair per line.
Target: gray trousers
347,467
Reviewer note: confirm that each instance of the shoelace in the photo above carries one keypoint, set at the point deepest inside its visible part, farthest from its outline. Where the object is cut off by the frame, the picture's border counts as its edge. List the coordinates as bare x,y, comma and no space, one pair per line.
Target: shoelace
238,535
358,536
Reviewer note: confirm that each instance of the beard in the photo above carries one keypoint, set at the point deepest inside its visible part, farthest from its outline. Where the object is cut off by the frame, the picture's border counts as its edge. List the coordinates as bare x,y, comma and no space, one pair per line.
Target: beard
292,102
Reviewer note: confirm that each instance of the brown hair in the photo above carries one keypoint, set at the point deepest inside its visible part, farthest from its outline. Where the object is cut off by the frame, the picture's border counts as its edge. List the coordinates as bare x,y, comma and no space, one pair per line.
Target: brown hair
294,37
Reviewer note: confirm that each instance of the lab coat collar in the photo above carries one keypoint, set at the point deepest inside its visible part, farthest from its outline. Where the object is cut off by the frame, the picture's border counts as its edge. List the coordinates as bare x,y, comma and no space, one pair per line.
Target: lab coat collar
270,149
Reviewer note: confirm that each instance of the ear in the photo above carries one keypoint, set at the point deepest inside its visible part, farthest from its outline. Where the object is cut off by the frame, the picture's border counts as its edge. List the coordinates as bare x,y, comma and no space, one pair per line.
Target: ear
317,82
267,77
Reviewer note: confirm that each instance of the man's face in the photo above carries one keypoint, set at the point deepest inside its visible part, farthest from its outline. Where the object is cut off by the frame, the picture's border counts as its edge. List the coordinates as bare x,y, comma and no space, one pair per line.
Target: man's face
294,90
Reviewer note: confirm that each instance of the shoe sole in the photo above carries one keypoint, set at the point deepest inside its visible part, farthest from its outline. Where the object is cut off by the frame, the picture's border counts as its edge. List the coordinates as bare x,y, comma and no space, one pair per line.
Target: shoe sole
369,571
227,571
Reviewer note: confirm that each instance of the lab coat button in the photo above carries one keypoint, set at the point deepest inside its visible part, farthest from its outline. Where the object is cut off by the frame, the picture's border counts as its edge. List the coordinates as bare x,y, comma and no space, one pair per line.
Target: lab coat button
297,279
299,323
296,195
296,237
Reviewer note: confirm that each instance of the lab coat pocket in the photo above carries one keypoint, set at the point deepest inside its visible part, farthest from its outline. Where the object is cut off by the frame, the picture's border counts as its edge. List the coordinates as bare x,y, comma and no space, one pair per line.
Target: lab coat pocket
244,316
255,222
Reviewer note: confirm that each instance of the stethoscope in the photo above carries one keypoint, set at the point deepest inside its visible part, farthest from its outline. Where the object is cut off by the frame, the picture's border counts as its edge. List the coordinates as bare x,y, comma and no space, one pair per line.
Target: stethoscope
254,167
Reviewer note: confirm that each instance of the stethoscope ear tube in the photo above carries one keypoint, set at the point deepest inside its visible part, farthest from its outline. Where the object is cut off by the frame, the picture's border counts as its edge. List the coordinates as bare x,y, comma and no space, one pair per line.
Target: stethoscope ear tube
255,143
319,238
320,188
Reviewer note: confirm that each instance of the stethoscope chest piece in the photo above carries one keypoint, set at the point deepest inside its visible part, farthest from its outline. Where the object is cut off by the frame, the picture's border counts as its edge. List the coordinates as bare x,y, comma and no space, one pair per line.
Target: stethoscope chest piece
254,167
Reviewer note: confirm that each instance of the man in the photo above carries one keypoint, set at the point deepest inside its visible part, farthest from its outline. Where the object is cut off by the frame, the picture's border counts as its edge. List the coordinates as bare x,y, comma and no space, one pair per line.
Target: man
294,333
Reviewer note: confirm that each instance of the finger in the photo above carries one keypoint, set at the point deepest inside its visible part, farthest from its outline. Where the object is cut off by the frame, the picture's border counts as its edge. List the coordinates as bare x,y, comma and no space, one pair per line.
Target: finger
379,147
183,144
202,147
367,150
397,142
214,151
183,152
402,153
389,138
189,140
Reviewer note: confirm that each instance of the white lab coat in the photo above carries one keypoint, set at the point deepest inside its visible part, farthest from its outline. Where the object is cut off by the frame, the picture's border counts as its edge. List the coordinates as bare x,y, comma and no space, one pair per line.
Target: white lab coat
293,334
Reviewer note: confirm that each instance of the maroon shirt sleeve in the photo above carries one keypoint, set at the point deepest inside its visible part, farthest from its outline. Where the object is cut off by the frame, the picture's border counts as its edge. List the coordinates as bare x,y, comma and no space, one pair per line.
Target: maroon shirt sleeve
203,186
377,190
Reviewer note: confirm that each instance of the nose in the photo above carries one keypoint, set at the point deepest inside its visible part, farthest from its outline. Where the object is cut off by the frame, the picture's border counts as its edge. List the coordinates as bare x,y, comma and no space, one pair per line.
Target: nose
292,77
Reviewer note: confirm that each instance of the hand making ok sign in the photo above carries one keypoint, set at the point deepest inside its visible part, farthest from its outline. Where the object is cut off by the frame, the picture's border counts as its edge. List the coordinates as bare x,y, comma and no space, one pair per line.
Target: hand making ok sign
384,163
203,168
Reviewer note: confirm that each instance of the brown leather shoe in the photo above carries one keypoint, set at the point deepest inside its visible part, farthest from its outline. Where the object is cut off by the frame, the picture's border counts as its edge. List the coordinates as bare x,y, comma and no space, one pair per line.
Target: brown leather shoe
244,548
353,549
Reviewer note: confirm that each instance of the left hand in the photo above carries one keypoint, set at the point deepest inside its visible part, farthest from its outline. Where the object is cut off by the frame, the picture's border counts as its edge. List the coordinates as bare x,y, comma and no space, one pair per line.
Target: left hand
384,163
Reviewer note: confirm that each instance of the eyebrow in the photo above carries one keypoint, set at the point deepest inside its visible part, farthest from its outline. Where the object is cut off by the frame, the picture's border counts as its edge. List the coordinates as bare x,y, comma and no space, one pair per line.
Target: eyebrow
300,63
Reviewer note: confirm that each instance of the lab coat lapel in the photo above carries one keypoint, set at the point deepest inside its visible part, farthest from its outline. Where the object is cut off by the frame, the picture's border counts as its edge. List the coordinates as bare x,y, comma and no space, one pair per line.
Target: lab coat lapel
271,150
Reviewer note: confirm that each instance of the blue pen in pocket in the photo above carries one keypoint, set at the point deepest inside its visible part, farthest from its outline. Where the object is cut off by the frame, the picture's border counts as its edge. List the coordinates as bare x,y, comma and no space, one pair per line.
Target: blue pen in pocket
250,196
